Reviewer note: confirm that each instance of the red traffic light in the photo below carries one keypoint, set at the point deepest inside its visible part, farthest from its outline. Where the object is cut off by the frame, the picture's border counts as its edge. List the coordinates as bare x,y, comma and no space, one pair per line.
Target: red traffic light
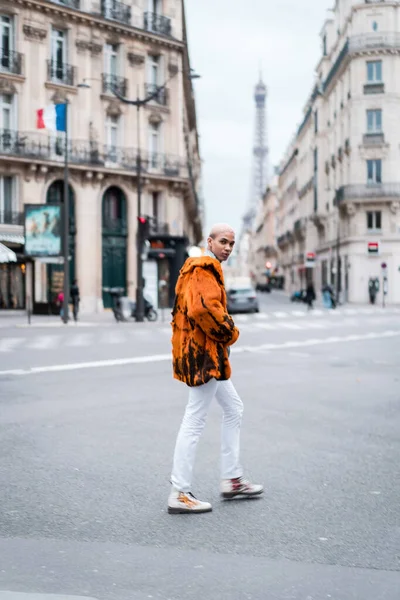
142,220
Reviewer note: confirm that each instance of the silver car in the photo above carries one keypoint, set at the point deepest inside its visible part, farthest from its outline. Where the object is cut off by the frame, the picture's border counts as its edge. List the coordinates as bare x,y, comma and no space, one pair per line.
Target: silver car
242,300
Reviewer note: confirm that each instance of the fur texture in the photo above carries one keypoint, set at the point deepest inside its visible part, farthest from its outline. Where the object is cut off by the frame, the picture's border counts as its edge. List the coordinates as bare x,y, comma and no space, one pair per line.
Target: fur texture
202,330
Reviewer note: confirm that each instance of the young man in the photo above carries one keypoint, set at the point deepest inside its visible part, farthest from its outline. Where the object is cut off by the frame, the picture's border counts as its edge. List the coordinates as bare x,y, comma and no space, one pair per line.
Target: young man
202,334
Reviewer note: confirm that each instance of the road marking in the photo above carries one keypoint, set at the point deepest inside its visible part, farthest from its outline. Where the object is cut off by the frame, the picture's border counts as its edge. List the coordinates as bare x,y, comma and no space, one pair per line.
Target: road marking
8,344
260,316
298,313
112,337
317,312
290,325
167,357
241,318
269,326
280,315
44,342
80,339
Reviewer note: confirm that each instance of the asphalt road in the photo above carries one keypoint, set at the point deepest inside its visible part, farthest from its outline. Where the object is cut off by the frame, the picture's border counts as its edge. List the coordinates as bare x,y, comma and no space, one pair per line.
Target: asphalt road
87,435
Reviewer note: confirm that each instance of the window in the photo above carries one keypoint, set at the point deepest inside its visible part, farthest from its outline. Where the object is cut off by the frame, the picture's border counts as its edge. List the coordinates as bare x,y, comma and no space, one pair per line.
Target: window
58,55
374,121
154,143
316,121
6,42
6,199
111,52
155,7
154,67
374,171
112,136
374,71
6,112
155,197
324,46
374,220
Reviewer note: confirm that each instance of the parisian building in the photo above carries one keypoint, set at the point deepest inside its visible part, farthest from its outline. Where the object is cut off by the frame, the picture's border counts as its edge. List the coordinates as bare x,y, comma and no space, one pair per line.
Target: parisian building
89,54
338,214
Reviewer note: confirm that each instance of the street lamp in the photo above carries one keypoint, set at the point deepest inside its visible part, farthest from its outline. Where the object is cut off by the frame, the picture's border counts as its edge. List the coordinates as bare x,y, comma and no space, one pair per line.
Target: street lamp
139,102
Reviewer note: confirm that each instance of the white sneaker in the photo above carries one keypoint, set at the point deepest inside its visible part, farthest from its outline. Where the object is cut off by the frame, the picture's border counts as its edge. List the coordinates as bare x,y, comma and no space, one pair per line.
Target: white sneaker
231,488
185,502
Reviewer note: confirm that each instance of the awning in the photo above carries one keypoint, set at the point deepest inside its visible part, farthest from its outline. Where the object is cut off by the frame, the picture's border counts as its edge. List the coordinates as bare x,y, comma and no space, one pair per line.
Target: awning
12,238
7,255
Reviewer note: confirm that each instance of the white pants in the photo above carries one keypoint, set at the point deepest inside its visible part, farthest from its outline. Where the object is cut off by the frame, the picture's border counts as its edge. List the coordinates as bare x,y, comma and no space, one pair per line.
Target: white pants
192,426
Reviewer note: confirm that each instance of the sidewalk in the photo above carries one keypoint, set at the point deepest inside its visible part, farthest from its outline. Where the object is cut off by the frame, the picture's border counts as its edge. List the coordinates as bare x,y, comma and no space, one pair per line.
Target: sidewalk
11,318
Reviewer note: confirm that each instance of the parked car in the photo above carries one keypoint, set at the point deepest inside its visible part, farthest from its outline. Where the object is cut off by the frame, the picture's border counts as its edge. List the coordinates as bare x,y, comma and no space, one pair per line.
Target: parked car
263,287
242,299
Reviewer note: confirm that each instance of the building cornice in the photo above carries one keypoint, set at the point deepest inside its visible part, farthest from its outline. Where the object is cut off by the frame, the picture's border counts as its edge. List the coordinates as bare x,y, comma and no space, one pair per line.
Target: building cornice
95,20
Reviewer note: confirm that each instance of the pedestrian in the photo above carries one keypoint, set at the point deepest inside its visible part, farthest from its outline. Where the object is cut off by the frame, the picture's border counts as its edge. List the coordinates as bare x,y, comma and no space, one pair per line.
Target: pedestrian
75,299
310,295
203,331
60,303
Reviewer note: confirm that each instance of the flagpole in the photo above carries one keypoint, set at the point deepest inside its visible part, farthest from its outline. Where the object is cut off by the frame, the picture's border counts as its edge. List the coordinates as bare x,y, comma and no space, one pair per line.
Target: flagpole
66,223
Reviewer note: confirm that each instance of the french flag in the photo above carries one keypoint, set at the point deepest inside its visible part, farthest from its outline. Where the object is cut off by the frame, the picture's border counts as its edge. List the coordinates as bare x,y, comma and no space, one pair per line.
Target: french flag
52,117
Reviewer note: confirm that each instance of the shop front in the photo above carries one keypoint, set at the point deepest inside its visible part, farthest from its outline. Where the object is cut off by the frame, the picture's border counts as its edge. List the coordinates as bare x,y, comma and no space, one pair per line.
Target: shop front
12,273
165,259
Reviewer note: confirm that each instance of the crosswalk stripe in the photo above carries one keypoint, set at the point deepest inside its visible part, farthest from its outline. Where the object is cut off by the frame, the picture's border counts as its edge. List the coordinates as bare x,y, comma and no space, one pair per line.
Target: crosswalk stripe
317,312
112,337
44,342
291,325
269,326
318,325
261,316
80,339
241,318
8,344
298,313
280,315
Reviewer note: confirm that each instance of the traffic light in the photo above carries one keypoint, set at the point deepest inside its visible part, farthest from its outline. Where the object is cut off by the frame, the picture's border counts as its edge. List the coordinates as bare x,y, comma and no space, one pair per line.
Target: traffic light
143,227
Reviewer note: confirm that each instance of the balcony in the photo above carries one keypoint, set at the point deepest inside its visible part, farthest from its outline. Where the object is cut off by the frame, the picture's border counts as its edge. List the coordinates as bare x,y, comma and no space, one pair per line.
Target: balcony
374,88
157,23
10,62
157,227
60,73
9,217
160,95
38,146
76,4
373,139
366,191
116,11
114,82
167,164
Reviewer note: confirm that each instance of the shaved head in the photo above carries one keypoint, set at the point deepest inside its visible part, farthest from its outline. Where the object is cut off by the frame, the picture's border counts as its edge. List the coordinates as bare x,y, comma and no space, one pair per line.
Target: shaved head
221,241
220,228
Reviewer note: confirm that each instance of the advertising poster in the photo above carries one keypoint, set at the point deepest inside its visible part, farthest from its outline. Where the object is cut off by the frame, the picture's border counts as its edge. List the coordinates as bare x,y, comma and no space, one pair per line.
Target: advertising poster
43,230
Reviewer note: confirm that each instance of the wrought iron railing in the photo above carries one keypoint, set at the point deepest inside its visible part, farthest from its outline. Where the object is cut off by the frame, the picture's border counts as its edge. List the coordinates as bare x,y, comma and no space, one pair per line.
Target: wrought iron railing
160,94
69,3
11,217
116,11
377,190
60,72
10,61
157,23
85,152
114,82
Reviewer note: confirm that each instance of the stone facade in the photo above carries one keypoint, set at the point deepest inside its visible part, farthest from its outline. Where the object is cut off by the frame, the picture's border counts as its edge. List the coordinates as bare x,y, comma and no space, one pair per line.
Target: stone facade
339,185
80,52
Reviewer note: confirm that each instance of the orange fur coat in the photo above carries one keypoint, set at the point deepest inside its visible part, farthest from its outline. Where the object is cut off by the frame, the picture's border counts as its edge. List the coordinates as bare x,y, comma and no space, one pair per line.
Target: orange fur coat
202,329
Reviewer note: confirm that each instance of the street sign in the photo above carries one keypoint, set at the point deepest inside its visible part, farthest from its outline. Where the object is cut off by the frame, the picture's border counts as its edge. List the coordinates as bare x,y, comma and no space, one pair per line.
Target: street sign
373,248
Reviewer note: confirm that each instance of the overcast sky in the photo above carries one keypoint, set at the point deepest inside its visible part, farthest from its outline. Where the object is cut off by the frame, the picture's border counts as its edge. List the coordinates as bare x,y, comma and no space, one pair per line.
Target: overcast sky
228,40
